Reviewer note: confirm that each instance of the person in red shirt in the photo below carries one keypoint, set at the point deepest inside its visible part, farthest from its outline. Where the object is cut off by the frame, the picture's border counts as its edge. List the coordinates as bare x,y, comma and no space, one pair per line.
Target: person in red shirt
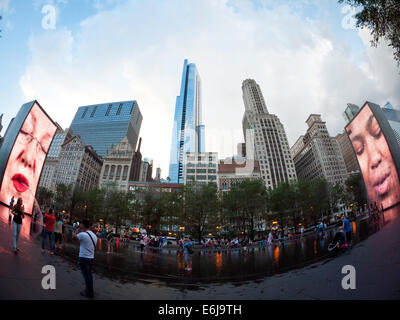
50,221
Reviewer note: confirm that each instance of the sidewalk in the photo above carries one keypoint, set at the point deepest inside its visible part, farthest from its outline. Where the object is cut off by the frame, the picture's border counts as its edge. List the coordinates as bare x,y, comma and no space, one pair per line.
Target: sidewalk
377,263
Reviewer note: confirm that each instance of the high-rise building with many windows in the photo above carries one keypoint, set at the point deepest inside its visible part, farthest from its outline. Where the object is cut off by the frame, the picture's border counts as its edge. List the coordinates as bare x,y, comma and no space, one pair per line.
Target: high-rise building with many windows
188,131
47,177
265,138
317,154
103,126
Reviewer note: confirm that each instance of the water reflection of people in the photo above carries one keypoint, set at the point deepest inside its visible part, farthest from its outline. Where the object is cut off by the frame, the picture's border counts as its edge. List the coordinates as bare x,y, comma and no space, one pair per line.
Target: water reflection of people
18,212
27,157
375,160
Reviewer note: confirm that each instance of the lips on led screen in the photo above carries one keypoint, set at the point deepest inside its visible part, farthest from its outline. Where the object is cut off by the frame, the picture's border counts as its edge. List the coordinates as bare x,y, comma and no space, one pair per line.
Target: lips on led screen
377,154
28,153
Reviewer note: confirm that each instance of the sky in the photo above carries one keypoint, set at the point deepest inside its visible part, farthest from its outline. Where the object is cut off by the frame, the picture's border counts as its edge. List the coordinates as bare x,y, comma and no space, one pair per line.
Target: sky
306,55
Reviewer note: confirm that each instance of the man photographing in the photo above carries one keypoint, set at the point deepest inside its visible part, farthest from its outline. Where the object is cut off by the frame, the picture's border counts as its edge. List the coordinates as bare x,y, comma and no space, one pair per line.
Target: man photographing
87,247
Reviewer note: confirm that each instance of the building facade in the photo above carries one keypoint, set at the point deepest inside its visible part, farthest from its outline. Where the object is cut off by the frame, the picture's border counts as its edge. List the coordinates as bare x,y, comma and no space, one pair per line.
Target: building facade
188,130
349,156
229,173
317,155
47,178
78,165
350,111
393,117
146,170
201,167
117,165
265,138
105,125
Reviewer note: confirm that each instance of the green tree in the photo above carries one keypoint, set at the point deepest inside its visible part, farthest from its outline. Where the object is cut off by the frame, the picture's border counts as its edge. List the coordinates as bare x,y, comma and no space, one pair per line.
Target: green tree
382,17
44,197
94,200
62,197
355,188
201,207
281,202
243,206
337,196
319,198
172,205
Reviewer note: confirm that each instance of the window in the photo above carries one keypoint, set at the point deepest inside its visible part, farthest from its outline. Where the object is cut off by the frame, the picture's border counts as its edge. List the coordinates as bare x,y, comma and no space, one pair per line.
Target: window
119,109
108,110
124,175
84,112
93,111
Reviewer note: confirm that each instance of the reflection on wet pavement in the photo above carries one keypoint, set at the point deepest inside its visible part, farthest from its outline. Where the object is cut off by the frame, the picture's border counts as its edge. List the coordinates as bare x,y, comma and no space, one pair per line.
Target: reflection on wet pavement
128,263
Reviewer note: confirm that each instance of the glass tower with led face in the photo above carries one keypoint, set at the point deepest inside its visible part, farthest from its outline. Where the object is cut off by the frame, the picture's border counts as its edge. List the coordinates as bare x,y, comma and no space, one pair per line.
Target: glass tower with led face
188,131
103,126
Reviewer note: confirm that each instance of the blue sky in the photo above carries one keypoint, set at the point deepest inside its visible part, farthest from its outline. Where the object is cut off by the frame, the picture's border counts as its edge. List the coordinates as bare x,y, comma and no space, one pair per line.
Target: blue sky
300,52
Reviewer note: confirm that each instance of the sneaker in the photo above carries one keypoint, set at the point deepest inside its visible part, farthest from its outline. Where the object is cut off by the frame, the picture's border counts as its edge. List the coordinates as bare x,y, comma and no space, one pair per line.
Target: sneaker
43,251
51,252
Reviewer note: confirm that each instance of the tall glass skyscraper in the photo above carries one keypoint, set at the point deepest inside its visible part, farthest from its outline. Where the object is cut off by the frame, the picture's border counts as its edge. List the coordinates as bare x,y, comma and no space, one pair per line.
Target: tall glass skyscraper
102,126
188,131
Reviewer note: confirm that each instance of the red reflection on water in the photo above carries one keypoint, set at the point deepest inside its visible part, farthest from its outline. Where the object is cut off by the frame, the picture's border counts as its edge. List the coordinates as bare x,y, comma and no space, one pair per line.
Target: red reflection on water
354,225
218,261
99,246
276,254
315,247
180,263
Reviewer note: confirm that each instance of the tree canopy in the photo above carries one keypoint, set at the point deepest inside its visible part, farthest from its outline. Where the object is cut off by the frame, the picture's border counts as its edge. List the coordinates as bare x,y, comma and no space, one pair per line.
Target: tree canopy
382,17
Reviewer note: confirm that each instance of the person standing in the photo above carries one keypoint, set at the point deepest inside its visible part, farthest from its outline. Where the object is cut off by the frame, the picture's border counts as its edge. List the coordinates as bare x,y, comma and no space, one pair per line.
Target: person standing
18,212
58,231
110,240
142,244
11,209
270,238
187,251
88,241
48,230
347,229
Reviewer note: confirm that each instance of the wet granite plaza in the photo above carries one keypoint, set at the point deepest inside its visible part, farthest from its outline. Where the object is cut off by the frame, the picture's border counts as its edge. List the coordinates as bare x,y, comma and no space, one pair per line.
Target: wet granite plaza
209,265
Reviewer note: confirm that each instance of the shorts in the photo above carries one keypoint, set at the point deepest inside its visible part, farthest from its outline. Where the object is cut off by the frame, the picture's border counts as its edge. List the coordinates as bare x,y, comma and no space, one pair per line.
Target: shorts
348,236
57,238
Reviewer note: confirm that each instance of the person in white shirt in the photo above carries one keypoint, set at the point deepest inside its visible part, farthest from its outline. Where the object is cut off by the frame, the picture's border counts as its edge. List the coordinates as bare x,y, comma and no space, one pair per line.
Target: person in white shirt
88,241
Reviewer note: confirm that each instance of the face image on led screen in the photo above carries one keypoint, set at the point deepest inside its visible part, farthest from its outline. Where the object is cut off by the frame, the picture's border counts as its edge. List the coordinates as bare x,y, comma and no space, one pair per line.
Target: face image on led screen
375,160
26,159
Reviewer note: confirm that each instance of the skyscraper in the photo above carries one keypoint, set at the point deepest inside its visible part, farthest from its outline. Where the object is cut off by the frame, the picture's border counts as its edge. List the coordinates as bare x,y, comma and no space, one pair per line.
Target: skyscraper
265,138
317,155
103,126
350,111
188,131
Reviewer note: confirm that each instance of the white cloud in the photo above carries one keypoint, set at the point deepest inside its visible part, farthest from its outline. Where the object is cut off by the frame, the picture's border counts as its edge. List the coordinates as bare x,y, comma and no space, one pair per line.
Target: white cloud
4,5
136,51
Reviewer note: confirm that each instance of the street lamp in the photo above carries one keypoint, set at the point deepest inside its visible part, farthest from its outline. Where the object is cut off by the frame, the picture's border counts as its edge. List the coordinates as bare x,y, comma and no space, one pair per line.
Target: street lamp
182,229
219,231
